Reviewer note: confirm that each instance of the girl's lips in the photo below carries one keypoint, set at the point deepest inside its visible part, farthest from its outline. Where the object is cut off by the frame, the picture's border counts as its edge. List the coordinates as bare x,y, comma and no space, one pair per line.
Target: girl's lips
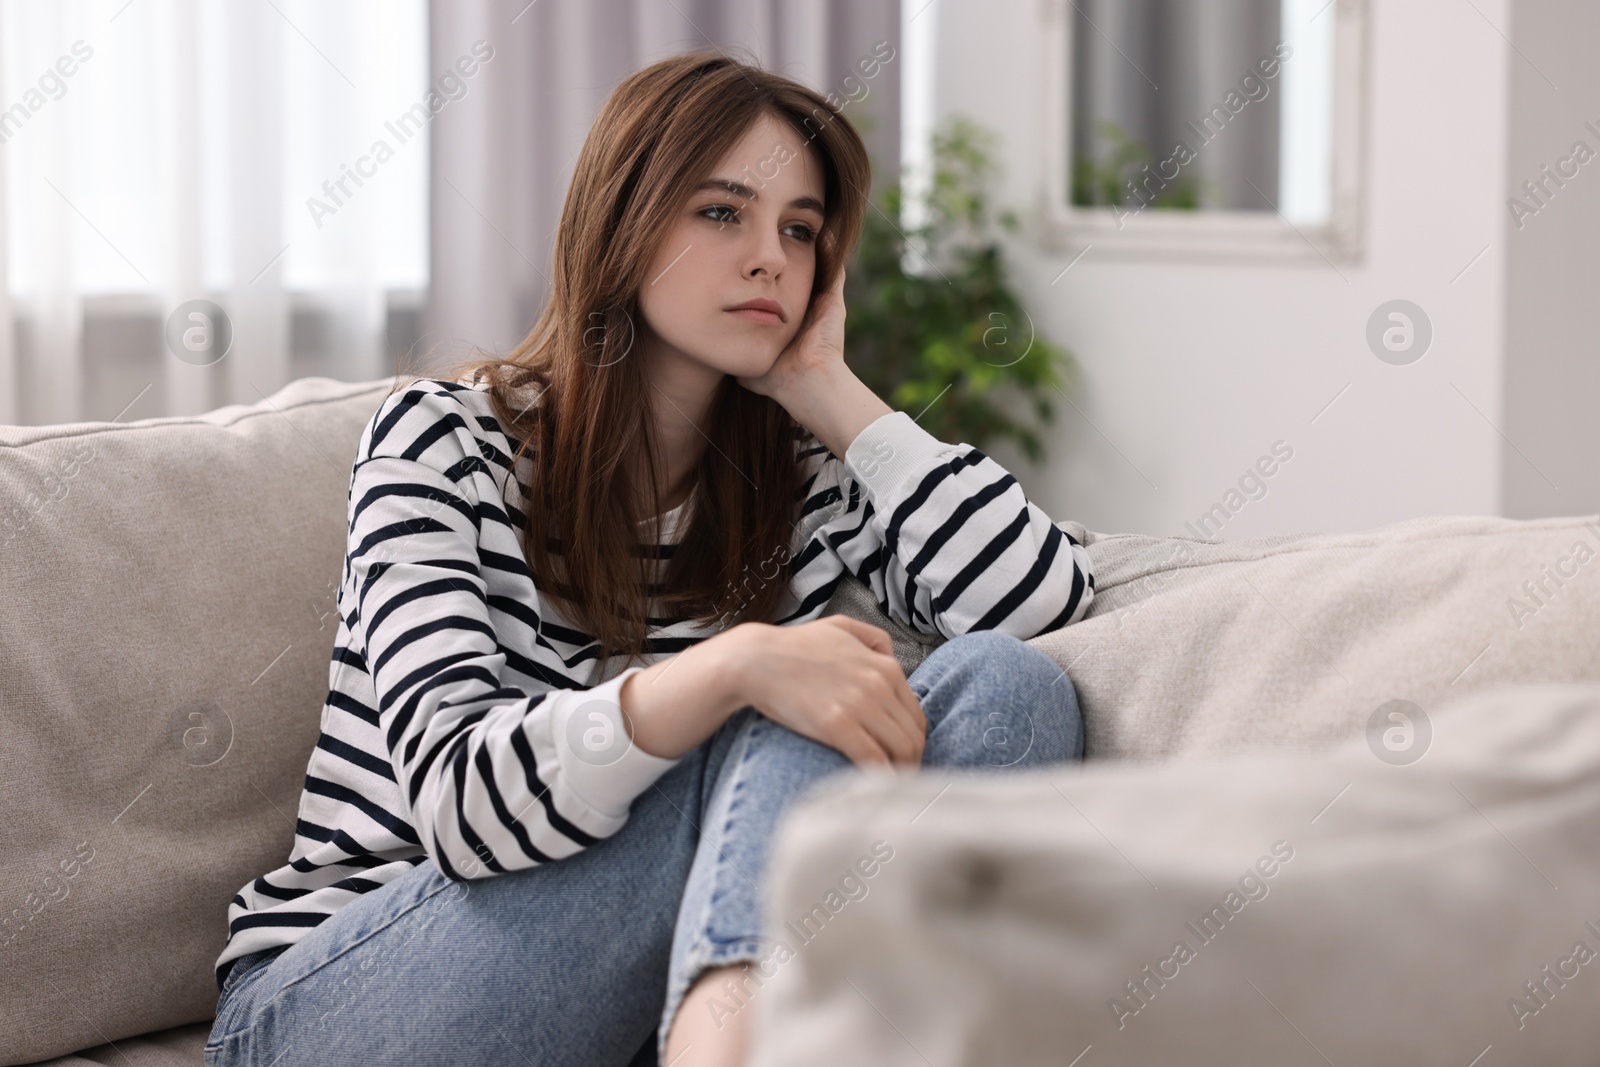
767,318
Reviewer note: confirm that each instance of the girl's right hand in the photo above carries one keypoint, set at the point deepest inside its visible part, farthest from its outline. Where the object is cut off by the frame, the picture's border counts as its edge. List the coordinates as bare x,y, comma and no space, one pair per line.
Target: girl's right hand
836,681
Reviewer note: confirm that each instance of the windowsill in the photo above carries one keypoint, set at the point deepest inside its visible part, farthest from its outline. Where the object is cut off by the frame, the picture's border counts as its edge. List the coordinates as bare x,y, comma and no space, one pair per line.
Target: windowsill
1206,234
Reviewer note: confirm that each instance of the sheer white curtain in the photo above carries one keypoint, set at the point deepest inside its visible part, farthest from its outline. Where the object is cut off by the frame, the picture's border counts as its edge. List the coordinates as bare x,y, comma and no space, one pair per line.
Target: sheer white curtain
503,157
157,152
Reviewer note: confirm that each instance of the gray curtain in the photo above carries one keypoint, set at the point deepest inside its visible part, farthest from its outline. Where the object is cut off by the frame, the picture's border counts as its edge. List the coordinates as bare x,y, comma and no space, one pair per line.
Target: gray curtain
1158,67
503,153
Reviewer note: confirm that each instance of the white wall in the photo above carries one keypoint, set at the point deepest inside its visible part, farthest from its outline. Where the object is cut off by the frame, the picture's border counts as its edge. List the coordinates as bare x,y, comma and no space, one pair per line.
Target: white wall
1193,370
1553,278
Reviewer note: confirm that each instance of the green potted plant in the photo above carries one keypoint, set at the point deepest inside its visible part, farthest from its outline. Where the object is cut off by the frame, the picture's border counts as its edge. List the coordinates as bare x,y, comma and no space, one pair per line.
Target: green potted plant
947,341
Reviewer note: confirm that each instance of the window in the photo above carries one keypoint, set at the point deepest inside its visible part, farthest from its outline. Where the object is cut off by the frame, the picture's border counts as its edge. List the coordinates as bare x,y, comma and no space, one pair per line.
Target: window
157,152
1224,127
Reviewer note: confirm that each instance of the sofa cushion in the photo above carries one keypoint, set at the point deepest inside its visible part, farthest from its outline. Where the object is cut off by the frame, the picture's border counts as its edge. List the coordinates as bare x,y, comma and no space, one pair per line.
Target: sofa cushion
184,1046
1205,646
1270,907
169,619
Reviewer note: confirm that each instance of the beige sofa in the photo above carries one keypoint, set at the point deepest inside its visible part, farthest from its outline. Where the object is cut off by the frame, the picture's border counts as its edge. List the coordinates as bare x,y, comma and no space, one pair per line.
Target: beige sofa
170,614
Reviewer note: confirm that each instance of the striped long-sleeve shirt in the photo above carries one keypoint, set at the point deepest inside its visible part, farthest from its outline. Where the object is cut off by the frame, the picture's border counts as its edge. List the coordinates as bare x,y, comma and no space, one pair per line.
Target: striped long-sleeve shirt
448,726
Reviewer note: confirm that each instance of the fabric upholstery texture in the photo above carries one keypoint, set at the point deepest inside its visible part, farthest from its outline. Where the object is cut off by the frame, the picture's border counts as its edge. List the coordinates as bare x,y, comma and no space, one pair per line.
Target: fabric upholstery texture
1332,907
1206,647
169,619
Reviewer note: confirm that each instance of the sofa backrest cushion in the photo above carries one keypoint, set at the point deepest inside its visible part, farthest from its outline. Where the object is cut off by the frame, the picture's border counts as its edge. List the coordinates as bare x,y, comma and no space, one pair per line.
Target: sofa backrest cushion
1197,646
169,617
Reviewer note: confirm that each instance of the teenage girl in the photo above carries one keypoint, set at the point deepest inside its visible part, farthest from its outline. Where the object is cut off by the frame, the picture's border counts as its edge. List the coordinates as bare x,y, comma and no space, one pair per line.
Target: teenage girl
581,667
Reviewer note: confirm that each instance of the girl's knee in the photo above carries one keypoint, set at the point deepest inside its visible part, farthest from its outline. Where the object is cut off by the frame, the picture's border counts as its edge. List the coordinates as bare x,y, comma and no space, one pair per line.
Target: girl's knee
993,700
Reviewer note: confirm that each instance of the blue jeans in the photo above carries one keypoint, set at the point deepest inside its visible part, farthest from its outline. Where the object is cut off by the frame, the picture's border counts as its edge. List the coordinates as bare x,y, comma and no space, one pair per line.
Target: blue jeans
586,960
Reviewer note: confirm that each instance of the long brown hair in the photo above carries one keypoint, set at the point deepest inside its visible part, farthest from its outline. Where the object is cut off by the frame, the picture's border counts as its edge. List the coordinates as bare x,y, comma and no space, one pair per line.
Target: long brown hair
656,137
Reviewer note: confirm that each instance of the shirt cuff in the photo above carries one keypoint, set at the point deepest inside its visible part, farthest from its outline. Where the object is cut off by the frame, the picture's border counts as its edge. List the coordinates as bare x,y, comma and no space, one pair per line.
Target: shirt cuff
890,449
600,764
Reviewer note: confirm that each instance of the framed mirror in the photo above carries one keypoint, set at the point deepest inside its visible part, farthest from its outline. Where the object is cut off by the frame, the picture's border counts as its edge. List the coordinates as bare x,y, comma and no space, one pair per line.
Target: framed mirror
1205,127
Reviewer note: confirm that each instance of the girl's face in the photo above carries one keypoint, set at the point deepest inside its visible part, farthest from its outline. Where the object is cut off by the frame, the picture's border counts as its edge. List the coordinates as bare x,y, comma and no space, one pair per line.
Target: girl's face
748,233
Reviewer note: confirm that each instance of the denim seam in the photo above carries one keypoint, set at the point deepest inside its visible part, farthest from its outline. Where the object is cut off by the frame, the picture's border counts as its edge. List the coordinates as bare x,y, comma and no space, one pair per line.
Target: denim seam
228,1040
719,891
705,951
237,977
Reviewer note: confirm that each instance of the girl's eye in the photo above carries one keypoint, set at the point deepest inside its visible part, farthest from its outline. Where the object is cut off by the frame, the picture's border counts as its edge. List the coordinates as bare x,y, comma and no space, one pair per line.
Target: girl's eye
806,233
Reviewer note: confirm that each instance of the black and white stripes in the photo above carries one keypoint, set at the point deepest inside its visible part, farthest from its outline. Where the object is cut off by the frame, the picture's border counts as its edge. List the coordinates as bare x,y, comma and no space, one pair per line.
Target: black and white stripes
453,684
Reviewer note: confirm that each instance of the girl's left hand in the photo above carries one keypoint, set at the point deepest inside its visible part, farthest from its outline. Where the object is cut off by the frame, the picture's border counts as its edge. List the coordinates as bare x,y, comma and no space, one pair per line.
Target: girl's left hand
816,350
